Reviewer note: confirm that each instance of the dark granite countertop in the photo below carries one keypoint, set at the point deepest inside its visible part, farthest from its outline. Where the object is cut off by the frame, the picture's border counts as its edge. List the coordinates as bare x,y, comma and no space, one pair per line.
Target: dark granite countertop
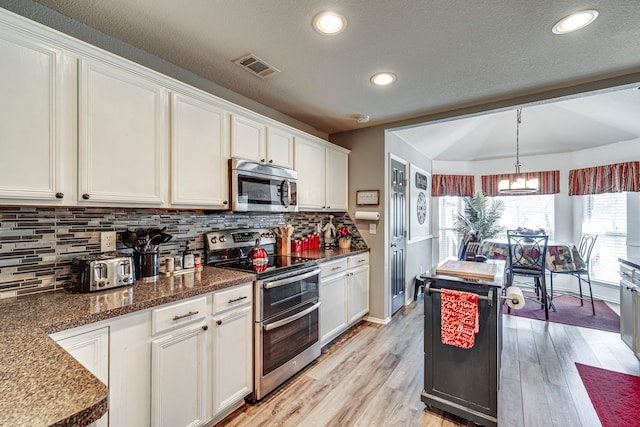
633,262
41,384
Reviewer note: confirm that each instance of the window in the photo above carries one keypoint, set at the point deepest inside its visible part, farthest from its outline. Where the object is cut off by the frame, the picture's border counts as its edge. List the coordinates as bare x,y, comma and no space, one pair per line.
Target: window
606,215
449,239
534,212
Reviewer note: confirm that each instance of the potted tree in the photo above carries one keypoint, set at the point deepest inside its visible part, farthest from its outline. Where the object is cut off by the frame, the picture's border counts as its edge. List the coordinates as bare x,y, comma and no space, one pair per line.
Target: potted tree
479,220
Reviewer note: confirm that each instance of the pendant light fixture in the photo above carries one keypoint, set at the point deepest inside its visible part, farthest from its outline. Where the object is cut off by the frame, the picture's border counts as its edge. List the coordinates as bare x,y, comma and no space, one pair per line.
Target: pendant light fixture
518,184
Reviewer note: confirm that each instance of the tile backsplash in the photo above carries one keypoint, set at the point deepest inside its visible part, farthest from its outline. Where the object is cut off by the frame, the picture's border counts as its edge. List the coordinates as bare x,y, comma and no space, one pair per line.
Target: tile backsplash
37,244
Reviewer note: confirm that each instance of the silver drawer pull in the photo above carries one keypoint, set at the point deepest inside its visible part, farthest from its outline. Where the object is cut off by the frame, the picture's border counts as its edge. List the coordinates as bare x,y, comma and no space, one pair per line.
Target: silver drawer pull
231,301
336,268
191,313
362,260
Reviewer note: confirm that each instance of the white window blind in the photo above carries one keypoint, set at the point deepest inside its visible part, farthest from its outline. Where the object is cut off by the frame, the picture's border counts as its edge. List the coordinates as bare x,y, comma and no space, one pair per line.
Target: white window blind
449,239
534,212
606,216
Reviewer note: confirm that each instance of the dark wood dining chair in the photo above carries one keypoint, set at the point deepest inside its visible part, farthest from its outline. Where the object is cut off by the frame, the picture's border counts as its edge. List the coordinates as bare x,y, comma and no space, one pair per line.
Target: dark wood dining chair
527,256
587,242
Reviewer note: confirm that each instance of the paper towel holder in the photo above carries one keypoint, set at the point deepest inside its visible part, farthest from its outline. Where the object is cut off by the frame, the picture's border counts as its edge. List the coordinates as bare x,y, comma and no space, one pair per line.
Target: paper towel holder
367,215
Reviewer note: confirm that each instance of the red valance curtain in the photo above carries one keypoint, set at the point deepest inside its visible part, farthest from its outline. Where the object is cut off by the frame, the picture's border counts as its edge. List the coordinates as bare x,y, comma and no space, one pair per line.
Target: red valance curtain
548,182
452,185
614,178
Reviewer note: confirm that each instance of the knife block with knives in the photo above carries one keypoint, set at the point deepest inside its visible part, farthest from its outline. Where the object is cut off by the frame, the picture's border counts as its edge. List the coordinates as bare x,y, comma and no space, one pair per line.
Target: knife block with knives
283,239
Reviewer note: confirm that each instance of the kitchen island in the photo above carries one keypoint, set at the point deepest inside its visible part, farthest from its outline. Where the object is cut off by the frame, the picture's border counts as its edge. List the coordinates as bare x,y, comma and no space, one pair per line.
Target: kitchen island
462,371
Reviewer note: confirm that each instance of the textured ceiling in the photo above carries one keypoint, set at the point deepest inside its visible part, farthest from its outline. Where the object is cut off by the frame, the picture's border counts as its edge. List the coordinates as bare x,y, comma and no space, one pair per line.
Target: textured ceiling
446,53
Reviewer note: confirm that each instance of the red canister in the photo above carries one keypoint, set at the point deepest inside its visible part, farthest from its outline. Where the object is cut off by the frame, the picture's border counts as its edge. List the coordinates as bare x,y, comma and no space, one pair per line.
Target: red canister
296,245
305,244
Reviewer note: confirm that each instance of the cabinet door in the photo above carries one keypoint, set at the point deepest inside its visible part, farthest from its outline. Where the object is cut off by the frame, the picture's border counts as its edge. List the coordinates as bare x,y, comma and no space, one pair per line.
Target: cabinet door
309,163
627,323
199,153
232,358
178,378
30,76
280,147
358,293
336,180
333,307
122,136
91,349
248,139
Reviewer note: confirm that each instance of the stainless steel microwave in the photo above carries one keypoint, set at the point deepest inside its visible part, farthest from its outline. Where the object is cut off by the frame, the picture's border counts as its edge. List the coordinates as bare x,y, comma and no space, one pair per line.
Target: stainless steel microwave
263,188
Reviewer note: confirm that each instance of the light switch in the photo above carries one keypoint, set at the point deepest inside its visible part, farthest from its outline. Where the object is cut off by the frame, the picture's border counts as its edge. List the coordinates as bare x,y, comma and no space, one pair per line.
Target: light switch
372,229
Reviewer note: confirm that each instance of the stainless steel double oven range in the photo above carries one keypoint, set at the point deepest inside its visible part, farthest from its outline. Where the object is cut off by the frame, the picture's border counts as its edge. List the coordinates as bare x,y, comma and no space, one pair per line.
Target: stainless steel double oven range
286,304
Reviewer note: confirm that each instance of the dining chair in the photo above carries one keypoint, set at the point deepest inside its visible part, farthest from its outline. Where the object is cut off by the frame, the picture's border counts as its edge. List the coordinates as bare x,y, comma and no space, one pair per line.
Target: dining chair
587,242
527,256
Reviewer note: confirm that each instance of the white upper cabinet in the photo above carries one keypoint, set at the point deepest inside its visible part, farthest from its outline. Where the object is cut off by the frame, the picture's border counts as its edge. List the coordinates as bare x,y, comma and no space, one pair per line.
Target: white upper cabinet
30,88
122,135
199,153
256,141
279,147
322,176
248,139
336,179
309,163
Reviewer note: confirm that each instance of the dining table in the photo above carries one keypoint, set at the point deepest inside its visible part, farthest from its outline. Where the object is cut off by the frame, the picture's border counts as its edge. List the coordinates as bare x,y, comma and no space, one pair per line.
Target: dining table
561,256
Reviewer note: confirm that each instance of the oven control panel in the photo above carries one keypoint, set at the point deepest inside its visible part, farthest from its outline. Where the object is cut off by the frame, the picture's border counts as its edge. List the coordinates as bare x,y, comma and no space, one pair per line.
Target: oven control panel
228,239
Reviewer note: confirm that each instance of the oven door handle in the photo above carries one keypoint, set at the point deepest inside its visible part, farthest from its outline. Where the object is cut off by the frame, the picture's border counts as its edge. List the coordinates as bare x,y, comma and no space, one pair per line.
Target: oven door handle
290,319
282,282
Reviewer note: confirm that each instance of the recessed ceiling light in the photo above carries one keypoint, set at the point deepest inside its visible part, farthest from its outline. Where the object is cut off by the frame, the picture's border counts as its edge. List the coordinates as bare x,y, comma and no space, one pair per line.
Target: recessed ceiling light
383,79
329,23
575,21
362,118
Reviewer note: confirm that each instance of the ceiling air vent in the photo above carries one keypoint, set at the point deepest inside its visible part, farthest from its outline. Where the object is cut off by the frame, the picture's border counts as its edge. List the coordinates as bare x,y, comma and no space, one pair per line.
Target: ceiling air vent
256,66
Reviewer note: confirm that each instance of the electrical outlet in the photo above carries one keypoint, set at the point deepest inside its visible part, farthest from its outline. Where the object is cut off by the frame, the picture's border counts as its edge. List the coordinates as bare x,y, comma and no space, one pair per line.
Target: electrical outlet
107,241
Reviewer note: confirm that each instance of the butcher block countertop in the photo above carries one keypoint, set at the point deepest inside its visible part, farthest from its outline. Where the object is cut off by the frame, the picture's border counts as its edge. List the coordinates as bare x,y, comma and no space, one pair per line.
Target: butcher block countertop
41,384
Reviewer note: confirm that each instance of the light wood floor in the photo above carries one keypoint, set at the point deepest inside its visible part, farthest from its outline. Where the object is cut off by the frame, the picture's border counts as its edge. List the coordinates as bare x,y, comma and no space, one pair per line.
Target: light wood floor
373,375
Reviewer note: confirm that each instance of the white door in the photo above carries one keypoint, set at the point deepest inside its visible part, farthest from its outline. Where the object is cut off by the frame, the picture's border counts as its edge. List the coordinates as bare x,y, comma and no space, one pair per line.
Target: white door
91,349
358,293
199,153
337,169
248,139
30,77
122,136
178,378
232,358
309,163
333,307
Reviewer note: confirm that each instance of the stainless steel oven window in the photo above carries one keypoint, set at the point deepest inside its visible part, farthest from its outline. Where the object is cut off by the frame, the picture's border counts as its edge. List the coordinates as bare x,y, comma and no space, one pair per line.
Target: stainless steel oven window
284,339
280,295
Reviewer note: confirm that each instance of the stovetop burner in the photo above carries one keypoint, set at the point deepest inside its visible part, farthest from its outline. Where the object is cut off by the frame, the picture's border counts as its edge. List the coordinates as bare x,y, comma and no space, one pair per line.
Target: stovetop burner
275,264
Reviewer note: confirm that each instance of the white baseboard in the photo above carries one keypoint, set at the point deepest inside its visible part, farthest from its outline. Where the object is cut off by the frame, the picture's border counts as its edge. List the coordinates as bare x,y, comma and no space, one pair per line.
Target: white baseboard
377,320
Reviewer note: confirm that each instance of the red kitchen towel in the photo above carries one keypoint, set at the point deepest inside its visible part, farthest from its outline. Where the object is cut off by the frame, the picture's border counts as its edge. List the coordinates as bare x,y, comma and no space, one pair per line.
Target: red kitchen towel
459,320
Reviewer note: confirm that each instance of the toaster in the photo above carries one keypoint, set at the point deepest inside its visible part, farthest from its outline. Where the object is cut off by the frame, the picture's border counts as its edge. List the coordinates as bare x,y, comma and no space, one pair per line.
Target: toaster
95,273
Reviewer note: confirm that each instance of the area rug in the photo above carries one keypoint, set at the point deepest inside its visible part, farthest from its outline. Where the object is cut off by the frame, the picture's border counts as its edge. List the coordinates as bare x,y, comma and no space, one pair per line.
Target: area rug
570,312
614,395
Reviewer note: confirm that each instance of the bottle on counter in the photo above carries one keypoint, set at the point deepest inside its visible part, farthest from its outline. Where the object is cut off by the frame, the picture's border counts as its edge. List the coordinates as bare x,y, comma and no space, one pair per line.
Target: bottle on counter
188,260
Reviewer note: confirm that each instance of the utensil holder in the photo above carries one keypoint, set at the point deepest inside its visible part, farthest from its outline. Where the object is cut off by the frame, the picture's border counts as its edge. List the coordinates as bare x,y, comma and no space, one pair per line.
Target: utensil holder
283,245
146,264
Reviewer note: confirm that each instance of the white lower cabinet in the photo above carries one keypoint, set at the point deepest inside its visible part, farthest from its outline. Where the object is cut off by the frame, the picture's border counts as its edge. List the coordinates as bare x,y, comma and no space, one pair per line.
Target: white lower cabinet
344,294
179,364
188,363
232,349
91,349
178,378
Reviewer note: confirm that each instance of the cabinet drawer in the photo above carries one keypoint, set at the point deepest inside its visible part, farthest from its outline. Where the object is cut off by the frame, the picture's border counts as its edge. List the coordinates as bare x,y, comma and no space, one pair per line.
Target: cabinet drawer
232,297
178,314
333,267
358,260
